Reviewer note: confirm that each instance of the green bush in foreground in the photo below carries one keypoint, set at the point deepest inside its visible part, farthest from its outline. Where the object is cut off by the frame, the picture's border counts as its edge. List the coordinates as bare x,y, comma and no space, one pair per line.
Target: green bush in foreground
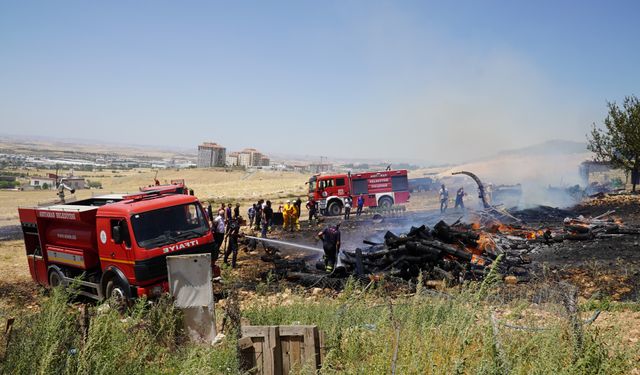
148,340
439,335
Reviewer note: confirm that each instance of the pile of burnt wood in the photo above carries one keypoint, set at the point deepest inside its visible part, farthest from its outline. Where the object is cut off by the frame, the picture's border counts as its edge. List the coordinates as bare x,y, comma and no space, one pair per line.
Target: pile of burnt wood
452,253
602,226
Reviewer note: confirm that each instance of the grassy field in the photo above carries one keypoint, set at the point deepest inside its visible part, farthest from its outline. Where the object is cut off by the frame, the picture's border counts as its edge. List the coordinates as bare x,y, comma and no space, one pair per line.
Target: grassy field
367,332
208,184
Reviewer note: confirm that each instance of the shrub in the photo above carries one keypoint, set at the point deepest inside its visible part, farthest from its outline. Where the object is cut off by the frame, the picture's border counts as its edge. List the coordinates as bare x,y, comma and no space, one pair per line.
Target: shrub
149,339
95,184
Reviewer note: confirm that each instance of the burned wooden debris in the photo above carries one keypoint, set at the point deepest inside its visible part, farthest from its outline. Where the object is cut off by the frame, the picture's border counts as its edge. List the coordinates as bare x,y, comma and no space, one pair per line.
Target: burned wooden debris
451,253
540,214
465,251
454,253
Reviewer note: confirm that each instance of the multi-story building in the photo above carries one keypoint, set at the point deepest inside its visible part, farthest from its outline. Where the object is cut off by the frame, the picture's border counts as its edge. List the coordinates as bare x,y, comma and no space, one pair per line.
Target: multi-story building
232,159
244,159
211,155
250,157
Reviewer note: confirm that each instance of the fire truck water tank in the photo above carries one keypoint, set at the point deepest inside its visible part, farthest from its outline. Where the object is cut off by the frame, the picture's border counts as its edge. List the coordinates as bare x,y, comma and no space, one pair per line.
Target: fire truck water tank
74,235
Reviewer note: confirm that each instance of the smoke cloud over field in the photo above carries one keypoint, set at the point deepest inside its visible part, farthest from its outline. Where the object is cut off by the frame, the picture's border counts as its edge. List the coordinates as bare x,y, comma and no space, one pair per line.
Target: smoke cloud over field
543,177
443,101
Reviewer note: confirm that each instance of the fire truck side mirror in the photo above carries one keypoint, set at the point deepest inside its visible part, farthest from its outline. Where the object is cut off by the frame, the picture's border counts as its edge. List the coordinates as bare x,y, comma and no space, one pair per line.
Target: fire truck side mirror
116,234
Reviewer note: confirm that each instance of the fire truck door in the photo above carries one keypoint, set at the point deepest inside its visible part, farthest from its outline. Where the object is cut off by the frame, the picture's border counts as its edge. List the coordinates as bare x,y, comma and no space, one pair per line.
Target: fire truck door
117,250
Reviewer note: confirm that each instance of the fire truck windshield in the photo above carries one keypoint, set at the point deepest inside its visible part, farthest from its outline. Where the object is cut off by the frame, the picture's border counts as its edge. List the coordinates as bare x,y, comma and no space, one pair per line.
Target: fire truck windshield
168,225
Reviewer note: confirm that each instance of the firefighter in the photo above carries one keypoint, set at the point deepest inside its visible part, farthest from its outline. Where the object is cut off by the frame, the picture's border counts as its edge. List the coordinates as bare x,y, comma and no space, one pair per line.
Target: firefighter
295,217
287,211
233,235
330,237
267,217
360,205
298,204
258,214
348,202
459,198
312,206
444,199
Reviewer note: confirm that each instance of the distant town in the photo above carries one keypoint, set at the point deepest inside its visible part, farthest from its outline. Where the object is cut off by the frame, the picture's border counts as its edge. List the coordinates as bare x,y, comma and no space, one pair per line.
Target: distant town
43,159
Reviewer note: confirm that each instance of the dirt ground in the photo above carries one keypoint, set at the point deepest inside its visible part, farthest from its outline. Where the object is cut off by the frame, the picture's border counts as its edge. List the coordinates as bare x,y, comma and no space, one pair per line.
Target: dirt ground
601,267
607,269
17,290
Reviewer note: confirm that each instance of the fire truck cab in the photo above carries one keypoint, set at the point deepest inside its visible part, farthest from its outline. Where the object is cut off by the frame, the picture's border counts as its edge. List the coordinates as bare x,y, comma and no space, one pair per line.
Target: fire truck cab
379,189
113,245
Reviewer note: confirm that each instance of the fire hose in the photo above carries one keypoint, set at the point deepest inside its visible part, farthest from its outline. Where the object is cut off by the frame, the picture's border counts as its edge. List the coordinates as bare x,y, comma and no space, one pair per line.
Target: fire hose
279,242
481,194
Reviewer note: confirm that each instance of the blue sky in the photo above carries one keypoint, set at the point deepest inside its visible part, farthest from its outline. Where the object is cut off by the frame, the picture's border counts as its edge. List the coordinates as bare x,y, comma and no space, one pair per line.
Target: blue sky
432,81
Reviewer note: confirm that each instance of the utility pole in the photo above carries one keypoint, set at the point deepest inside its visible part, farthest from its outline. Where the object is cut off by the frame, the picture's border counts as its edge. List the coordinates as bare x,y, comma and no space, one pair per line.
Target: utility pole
57,179
319,168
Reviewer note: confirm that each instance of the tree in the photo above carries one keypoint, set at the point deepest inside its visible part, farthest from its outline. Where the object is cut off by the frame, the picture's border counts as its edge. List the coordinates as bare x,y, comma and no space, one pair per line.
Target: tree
619,142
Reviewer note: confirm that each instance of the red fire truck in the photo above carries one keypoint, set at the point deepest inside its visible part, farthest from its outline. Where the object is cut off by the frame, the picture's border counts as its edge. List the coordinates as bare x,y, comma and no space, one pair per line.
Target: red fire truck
114,245
382,189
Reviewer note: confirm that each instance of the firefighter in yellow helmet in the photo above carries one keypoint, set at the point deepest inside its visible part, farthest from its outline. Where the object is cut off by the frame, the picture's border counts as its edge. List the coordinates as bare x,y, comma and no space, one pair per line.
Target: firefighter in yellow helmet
287,212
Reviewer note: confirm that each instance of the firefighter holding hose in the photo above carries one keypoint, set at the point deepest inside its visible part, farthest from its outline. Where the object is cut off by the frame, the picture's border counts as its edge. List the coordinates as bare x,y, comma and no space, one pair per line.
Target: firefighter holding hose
330,237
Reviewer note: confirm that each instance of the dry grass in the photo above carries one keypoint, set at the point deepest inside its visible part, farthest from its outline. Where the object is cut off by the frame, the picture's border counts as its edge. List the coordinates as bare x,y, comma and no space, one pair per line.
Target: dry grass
11,200
208,184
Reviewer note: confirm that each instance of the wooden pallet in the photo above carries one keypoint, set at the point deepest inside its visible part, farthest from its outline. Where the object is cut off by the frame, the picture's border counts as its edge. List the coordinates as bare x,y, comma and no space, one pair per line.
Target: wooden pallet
275,350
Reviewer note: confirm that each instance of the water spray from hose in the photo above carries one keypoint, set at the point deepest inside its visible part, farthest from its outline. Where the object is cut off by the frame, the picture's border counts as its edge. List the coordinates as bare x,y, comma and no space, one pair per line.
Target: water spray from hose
285,243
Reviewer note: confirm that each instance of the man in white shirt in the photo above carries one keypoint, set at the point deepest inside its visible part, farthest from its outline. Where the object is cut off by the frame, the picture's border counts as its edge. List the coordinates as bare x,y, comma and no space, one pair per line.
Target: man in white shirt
218,229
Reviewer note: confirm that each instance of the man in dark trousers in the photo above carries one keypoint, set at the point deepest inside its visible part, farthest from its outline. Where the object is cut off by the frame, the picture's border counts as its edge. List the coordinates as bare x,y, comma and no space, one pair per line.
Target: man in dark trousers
360,205
459,198
312,206
348,202
233,234
252,215
267,216
227,214
210,212
330,237
236,211
444,199
218,228
298,204
259,214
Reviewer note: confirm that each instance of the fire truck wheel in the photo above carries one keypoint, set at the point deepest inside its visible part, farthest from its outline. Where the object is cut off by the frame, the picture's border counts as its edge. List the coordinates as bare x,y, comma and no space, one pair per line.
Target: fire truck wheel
117,294
334,209
55,278
385,202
